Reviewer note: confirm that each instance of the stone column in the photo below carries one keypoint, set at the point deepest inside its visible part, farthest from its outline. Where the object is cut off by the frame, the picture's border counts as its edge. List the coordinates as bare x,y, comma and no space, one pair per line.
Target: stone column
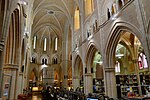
65,74
135,61
88,83
76,82
65,61
110,82
20,83
12,71
26,73
1,64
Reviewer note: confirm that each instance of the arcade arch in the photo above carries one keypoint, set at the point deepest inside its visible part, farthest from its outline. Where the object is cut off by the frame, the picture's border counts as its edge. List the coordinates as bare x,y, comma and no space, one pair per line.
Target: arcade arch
122,56
78,73
97,70
94,72
131,60
33,78
12,54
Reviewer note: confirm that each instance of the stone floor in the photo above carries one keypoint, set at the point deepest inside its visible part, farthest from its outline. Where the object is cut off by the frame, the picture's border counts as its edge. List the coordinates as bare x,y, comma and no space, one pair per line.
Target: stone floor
36,96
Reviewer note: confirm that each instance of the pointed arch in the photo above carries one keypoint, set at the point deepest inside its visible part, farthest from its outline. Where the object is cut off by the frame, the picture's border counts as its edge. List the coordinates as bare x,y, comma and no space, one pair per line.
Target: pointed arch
33,75
44,59
78,63
114,38
77,18
89,7
90,53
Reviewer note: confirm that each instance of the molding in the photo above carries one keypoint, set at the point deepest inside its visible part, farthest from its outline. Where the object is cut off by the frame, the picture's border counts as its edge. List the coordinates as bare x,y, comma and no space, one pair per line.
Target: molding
11,66
109,69
88,74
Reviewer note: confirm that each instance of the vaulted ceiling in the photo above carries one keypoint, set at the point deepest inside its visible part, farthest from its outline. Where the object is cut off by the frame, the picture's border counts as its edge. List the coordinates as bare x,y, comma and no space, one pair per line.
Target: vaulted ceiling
50,17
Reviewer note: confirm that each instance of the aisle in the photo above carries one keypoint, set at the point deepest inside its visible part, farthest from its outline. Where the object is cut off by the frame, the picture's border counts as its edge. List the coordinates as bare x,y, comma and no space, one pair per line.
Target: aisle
36,96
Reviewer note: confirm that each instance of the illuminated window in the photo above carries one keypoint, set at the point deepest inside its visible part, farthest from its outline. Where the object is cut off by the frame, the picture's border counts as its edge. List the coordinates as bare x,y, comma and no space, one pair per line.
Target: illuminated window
34,42
56,43
112,10
89,7
45,43
77,19
142,61
117,67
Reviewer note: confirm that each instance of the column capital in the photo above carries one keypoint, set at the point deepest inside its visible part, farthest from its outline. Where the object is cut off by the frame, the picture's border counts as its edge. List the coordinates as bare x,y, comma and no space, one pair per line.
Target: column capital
109,69
11,66
88,74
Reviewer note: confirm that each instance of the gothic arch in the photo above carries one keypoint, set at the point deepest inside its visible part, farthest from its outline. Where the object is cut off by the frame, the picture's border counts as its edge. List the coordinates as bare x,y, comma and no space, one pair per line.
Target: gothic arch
55,58
89,7
77,71
90,55
34,70
13,38
44,57
77,18
77,64
125,43
114,38
17,33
